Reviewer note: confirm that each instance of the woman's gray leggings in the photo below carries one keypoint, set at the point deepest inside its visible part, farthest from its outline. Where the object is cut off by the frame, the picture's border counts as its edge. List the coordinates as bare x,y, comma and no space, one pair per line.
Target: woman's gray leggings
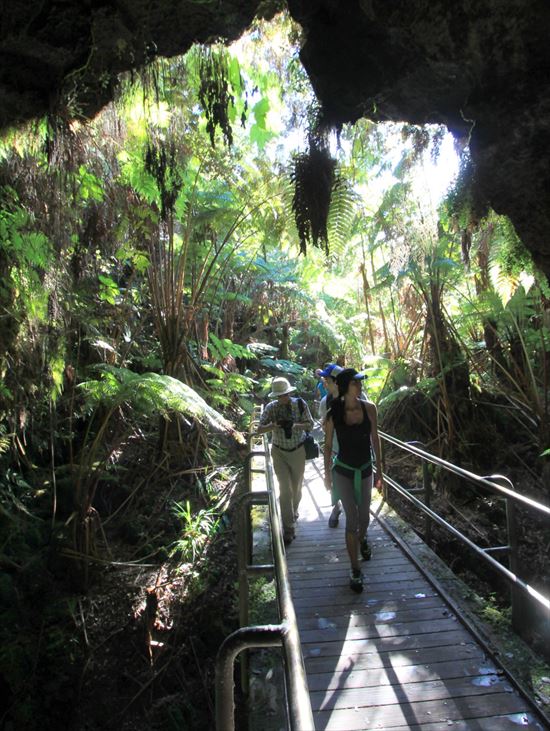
357,516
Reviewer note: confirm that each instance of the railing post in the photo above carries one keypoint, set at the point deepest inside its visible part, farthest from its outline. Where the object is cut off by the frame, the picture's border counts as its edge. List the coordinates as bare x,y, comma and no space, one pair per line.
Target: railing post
427,485
244,560
427,492
516,596
241,639
382,468
518,601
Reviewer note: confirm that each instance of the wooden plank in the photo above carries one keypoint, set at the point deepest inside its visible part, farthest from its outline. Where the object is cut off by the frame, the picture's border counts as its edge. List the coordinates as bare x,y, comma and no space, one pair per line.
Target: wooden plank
418,714
354,677
379,606
341,578
388,693
332,569
374,616
331,631
373,593
511,722
401,643
366,599
425,657
327,544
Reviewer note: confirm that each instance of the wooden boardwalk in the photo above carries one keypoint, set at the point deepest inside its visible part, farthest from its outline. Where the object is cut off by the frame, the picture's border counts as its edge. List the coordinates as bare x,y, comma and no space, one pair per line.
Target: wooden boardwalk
394,657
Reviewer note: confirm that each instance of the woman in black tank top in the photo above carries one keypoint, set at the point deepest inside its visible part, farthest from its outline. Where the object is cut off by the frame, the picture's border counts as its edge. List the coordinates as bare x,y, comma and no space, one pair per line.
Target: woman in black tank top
349,474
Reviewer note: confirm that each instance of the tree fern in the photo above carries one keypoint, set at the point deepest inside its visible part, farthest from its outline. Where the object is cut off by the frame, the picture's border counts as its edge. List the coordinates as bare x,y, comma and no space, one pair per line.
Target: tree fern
151,393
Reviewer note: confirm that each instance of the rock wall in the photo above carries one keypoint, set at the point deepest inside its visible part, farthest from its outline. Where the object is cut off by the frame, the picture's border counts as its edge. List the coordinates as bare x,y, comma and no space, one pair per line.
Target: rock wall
54,51
482,67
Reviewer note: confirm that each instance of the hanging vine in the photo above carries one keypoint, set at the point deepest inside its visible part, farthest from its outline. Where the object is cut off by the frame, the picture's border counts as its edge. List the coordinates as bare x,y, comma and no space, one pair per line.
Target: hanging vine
219,81
313,175
162,163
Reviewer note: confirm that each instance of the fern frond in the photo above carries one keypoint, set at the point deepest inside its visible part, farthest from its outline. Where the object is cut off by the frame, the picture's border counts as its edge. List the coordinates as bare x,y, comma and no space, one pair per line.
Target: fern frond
150,393
342,215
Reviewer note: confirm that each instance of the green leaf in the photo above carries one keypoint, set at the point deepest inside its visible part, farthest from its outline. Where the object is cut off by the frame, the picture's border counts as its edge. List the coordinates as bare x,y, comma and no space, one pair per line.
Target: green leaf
260,136
235,77
108,289
90,185
260,110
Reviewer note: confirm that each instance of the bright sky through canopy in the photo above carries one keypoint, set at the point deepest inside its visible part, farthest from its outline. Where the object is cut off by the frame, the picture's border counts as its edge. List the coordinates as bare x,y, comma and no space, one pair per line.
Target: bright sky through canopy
432,179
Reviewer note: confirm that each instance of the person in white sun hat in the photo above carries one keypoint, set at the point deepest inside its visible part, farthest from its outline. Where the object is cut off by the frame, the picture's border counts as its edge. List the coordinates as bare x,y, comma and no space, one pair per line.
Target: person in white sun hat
287,418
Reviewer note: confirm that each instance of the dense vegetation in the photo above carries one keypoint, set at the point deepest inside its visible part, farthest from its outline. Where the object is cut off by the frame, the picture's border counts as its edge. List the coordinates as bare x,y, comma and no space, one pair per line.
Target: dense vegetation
151,284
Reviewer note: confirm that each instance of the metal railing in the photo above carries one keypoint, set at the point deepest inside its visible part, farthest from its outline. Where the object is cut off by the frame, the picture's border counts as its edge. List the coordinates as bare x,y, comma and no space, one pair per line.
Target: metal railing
283,635
499,485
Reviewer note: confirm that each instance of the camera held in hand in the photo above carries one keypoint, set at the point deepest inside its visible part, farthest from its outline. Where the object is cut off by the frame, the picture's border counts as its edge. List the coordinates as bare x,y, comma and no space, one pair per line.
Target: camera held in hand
286,426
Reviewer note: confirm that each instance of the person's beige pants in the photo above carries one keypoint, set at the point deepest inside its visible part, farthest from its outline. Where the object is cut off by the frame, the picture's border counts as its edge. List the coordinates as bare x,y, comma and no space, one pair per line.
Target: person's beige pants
289,468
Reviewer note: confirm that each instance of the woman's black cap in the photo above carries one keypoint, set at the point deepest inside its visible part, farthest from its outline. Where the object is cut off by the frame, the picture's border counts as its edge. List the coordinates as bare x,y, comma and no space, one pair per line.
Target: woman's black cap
348,375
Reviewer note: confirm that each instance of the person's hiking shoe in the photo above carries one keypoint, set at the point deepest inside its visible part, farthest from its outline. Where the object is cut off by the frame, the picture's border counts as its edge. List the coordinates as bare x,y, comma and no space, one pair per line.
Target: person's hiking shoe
288,536
366,552
334,516
356,580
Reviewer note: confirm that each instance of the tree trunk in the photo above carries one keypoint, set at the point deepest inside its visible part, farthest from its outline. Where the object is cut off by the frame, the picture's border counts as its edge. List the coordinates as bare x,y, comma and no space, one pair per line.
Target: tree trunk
366,295
285,342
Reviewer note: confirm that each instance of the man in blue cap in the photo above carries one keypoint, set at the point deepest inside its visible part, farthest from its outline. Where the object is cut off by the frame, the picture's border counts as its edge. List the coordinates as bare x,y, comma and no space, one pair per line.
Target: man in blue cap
320,388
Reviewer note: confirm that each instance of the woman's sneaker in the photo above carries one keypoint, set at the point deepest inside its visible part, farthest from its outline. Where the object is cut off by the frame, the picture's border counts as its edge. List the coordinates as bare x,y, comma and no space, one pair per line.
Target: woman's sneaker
356,580
366,552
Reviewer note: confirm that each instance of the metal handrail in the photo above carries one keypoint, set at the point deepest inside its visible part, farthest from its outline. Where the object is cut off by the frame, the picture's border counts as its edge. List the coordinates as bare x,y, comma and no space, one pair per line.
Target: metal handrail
518,585
485,481
284,635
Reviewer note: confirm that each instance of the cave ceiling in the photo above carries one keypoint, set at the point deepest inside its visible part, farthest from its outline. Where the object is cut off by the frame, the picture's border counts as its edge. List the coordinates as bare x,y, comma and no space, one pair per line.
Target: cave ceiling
481,67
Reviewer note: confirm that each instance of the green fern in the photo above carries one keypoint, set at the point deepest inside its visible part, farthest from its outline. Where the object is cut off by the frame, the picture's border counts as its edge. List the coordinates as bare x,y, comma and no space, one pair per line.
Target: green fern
197,530
5,439
29,254
221,348
342,215
150,393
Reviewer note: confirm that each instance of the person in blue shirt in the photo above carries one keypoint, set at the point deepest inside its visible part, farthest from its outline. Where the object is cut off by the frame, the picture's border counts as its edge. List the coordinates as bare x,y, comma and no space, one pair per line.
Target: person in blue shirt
329,373
320,388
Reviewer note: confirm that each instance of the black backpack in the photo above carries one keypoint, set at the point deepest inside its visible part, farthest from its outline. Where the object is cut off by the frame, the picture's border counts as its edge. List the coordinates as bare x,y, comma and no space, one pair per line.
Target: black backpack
310,445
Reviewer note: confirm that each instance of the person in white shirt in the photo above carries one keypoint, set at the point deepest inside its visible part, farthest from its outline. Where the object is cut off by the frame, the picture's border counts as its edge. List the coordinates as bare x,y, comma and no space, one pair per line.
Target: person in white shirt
288,418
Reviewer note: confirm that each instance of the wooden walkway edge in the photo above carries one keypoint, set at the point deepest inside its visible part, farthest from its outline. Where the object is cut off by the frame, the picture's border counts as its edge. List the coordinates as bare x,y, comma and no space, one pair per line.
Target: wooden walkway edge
396,656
